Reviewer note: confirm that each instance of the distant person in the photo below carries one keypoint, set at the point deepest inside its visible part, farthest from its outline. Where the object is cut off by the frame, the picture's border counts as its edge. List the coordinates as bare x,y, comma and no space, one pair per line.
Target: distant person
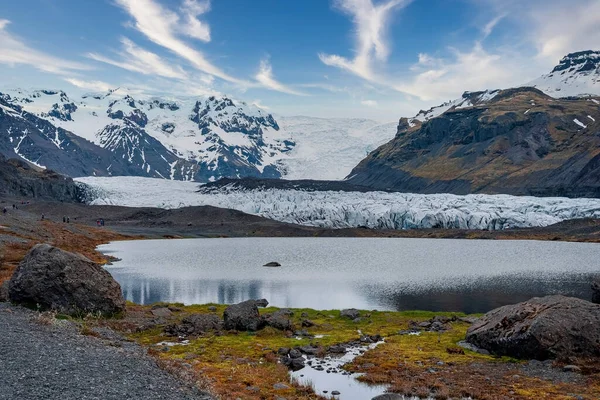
68,220
43,216
64,219
4,210
101,221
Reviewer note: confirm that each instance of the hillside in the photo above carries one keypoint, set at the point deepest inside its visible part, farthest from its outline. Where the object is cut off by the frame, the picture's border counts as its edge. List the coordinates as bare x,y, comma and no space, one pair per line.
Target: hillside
541,139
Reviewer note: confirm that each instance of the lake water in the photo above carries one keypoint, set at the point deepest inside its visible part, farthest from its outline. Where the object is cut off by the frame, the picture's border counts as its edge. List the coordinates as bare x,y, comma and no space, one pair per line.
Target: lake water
366,273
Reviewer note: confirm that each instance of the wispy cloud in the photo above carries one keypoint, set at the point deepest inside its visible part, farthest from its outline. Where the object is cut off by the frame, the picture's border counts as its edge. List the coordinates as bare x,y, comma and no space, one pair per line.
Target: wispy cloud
162,26
136,59
369,103
265,77
97,86
476,69
371,23
14,51
192,26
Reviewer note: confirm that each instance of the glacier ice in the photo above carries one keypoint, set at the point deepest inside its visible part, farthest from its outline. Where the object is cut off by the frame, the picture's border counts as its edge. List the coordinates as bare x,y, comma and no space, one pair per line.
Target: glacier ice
332,209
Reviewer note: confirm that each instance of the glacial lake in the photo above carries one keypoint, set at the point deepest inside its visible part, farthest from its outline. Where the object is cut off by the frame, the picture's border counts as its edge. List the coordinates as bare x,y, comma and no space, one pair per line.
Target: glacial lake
472,276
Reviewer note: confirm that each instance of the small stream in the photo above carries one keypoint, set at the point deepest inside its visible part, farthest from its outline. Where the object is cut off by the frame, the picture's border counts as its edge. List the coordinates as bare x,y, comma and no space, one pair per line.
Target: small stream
326,376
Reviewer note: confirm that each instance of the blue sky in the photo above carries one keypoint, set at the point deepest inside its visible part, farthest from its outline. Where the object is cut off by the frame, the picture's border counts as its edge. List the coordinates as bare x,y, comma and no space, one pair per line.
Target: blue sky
340,58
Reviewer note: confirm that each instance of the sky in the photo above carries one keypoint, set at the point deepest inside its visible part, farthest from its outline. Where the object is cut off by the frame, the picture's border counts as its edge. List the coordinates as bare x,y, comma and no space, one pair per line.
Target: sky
379,59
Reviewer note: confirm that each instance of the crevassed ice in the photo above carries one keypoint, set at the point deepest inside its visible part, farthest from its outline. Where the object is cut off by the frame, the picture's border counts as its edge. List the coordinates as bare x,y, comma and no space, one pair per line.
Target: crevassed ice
330,209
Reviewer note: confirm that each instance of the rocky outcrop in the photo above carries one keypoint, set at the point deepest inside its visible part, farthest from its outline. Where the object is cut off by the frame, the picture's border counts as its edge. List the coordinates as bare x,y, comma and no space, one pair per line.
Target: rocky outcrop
195,324
19,179
518,141
68,283
541,328
243,316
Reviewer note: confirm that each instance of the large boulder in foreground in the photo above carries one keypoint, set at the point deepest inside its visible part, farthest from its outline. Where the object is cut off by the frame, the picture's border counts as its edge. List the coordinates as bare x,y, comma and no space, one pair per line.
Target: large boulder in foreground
541,328
65,282
243,316
596,292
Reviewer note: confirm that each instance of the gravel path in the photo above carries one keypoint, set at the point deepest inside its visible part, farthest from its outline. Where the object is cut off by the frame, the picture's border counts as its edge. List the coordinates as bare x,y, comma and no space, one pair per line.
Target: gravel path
54,361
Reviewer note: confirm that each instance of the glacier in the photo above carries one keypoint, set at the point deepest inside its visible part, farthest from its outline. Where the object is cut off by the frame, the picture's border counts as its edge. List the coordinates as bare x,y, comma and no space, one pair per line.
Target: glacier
334,209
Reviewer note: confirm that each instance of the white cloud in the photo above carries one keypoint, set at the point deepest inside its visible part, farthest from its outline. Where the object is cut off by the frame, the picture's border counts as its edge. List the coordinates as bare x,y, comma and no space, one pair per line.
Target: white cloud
477,69
369,103
371,25
265,77
134,58
565,27
161,26
97,86
13,51
489,27
192,26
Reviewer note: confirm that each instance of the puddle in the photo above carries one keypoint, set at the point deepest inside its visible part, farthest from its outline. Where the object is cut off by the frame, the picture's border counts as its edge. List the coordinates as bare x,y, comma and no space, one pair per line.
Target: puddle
171,344
324,383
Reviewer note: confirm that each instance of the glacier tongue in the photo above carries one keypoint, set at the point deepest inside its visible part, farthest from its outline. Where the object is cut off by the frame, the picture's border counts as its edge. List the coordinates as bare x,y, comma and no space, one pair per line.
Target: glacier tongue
329,209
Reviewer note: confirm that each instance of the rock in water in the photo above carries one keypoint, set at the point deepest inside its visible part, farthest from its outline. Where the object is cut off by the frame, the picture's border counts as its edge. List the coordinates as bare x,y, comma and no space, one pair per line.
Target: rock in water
540,328
243,316
65,282
272,264
596,292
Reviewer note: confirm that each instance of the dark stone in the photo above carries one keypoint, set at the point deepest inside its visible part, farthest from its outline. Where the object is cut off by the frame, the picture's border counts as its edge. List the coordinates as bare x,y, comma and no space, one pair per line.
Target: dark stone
272,264
596,292
195,324
337,349
4,291
310,350
351,313
65,282
243,316
283,351
261,302
541,328
296,364
295,353
162,312
278,320
307,323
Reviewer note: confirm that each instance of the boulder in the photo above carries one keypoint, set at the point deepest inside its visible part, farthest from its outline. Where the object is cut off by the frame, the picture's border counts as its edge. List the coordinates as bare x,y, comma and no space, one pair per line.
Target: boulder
596,292
68,283
541,328
243,316
351,313
4,291
195,324
279,320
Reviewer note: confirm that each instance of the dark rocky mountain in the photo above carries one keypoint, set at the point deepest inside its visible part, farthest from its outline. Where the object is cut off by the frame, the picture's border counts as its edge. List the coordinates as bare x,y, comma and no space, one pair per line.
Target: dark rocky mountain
20,179
518,141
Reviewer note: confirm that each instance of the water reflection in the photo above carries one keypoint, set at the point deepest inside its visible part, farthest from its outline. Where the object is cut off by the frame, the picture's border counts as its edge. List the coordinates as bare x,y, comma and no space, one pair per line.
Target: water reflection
384,274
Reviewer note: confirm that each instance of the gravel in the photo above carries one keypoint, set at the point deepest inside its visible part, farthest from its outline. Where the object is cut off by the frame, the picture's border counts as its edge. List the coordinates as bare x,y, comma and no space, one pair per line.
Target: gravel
54,361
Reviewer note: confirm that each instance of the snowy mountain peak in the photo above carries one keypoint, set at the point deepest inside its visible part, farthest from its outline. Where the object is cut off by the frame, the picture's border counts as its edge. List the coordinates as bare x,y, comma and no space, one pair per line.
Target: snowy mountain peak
581,61
577,74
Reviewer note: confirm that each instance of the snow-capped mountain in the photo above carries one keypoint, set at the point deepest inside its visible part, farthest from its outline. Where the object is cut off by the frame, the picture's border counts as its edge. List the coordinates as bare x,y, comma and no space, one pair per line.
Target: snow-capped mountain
202,139
199,139
577,74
